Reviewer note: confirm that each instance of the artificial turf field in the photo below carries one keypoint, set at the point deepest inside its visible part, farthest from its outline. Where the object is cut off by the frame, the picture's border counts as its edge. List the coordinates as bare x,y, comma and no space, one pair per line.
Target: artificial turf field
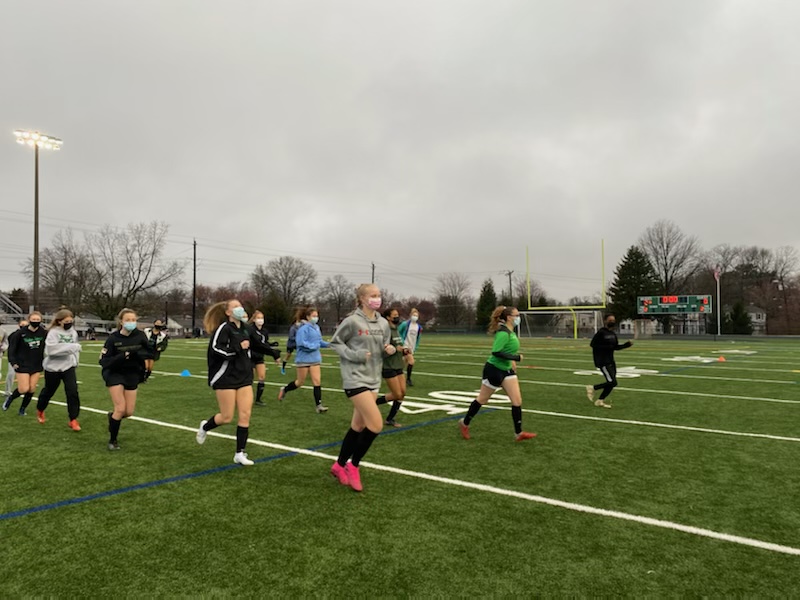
688,486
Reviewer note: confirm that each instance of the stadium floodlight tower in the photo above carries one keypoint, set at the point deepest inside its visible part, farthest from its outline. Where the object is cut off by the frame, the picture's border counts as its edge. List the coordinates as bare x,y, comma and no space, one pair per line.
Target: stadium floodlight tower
36,140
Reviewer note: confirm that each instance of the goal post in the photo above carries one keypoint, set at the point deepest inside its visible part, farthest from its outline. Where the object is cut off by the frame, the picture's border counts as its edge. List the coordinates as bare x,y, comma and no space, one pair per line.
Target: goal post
600,306
564,322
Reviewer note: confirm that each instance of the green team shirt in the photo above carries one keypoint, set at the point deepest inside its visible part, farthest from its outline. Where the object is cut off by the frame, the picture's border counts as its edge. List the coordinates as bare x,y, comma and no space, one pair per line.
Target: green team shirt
507,342
395,361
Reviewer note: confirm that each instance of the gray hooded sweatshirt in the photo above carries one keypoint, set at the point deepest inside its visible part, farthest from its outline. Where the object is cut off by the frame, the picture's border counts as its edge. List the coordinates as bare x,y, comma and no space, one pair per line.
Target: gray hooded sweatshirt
353,339
61,350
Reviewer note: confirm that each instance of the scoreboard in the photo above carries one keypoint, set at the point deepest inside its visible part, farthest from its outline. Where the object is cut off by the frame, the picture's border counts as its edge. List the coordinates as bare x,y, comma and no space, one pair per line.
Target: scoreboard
661,305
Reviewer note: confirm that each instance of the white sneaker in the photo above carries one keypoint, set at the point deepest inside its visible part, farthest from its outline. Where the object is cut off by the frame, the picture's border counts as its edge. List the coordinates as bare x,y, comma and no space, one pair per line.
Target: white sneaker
590,392
201,433
241,458
321,408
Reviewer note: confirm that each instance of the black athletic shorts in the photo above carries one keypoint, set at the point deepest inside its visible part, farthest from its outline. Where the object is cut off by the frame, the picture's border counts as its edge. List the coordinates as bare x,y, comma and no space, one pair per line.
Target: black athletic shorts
130,381
391,373
359,390
493,377
29,370
256,360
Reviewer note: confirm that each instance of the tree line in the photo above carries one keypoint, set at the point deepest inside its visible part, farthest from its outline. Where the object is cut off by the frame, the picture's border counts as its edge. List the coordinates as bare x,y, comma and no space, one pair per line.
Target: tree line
106,270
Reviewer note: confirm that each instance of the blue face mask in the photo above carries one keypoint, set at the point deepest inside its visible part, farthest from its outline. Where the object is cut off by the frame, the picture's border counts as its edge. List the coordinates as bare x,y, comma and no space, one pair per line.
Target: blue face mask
129,325
314,320
517,321
238,313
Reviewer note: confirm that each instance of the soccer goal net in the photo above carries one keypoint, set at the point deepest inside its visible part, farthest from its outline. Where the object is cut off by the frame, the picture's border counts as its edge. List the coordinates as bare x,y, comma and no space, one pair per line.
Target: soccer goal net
560,323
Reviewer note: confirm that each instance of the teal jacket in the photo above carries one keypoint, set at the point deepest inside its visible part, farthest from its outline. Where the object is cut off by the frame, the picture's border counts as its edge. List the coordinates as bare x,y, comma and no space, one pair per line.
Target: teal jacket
402,329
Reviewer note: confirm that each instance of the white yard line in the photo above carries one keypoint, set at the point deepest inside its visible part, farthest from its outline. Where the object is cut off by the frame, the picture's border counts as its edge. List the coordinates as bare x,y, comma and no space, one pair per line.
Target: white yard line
583,508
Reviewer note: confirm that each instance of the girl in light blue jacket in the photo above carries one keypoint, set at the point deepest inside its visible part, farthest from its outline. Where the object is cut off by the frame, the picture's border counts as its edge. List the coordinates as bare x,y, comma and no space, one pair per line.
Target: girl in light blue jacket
308,358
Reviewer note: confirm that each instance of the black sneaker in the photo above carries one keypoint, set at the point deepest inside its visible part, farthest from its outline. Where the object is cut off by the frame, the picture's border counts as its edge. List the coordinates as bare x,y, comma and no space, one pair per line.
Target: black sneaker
392,423
114,446
259,403
7,403
409,383
21,413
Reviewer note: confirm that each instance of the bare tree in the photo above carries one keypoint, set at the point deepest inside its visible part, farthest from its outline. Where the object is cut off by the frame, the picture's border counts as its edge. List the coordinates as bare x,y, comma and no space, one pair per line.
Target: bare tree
452,291
674,255
339,294
291,278
127,263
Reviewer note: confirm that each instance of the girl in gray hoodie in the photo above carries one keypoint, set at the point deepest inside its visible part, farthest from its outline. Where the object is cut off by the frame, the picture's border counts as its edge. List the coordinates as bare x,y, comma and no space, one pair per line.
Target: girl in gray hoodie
360,341
61,352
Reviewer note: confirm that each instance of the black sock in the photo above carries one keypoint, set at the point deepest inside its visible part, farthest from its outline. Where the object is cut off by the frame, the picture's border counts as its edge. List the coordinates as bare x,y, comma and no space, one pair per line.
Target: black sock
317,395
26,399
393,411
516,414
365,440
283,366
348,446
210,424
113,428
472,411
291,386
381,400
259,391
14,395
147,374
241,437
409,368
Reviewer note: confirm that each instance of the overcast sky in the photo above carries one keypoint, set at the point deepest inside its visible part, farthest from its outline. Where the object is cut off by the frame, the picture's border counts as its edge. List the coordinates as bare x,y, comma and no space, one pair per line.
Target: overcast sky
426,136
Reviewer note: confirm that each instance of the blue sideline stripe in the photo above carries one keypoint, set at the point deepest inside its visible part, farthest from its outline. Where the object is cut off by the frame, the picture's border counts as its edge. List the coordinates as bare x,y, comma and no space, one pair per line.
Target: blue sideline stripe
185,476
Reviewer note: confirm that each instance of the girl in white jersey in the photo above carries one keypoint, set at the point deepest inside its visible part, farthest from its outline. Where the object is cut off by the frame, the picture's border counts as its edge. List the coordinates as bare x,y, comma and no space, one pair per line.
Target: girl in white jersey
410,331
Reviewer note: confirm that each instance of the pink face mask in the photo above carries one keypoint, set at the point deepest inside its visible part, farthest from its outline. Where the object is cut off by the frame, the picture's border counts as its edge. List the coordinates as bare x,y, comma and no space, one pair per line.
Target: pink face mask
374,303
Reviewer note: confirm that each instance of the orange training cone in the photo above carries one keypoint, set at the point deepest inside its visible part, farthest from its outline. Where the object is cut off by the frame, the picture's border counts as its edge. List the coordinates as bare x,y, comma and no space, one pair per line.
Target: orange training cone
721,359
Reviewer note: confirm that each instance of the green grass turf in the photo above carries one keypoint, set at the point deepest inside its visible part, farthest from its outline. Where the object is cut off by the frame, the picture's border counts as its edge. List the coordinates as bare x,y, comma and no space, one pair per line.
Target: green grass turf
285,528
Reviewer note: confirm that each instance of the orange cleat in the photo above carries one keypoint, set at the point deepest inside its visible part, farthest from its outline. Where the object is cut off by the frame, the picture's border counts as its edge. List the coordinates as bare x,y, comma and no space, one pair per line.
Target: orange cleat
525,435
74,425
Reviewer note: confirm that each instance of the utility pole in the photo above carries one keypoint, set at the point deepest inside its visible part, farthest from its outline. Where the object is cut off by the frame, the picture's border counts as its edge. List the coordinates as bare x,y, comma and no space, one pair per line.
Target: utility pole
373,273
510,290
194,284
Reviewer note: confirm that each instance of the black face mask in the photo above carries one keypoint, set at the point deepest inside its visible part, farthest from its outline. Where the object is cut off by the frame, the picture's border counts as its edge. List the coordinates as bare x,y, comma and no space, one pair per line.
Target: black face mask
23,327
396,320
67,325
611,325
34,325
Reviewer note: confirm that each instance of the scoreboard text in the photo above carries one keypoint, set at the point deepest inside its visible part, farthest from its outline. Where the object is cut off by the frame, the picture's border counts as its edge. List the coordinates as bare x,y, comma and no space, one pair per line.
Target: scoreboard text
660,305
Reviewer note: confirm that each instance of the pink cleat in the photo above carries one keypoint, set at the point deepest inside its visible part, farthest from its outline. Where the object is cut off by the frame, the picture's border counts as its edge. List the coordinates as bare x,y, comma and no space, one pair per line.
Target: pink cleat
340,473
464,429
353,476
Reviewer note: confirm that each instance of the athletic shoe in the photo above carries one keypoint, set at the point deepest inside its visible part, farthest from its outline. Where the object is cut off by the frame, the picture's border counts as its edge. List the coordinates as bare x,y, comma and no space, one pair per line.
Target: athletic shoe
321,408
353,476
201,433
524,435
240,458
281,394
74,425
409,383
464,429
392,423
283,371
601,404
22,412
40,416
340,473
114,446
590,393
7,403
260,403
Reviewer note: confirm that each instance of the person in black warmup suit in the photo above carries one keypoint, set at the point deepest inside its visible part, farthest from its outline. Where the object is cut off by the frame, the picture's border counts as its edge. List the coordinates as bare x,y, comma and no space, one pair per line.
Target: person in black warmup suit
604,344
26,356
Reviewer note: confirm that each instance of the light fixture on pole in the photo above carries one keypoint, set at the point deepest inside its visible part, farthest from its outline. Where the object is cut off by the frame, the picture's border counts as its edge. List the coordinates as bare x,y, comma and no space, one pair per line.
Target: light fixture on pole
36,140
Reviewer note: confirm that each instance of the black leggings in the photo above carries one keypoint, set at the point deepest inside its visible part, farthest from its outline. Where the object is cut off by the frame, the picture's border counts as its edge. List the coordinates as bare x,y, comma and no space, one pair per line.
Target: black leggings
52,379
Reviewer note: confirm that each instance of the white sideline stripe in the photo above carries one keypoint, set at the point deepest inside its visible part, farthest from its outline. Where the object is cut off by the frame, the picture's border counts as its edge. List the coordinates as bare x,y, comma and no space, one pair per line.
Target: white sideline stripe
698,531
548,413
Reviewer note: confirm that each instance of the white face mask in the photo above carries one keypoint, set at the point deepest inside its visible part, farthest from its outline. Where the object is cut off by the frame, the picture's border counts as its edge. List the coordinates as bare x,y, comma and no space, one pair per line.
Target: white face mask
414,318
259,322
314,320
